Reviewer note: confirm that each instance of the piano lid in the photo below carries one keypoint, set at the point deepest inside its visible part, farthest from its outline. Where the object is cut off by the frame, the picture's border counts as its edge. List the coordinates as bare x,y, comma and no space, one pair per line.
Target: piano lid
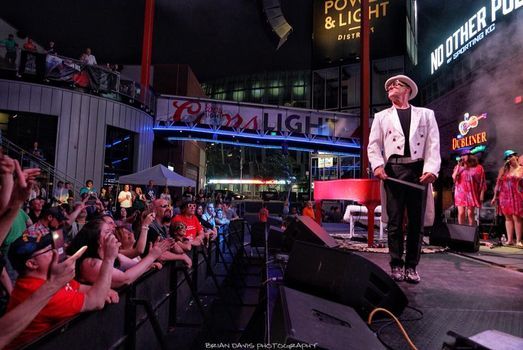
364,191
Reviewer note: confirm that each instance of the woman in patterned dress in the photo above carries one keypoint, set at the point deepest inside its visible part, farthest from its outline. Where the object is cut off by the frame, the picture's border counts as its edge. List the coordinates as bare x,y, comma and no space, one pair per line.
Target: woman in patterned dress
470,186
508,195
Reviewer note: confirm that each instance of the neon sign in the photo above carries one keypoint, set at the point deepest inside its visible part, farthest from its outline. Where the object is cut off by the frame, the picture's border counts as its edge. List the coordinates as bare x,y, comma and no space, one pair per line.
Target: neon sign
473,30
468,124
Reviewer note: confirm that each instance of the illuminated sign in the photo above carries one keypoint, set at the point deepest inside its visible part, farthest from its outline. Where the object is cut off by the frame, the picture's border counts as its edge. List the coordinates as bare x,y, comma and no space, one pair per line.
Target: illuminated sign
472,132
327,162
336,28
471,32
248,182
260,120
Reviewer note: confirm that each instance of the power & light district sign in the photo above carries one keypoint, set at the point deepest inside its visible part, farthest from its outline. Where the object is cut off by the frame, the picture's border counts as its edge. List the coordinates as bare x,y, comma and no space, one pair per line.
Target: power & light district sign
337,24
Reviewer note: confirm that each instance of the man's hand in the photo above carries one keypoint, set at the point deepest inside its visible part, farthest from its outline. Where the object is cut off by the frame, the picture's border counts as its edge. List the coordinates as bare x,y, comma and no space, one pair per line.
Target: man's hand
156,266
379,172
24,182
427,178
7,165
80,206
61,273
148,219
112,297
187,261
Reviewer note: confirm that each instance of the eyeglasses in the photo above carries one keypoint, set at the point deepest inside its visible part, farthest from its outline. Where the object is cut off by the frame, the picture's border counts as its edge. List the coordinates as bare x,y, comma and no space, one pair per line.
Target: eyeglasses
164,206
193,206
395,83
45,251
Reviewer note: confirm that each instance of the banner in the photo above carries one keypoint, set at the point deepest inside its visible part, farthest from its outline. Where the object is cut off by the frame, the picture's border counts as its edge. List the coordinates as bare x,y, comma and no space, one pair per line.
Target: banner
31,63
76,72
101,79
254,118
61,69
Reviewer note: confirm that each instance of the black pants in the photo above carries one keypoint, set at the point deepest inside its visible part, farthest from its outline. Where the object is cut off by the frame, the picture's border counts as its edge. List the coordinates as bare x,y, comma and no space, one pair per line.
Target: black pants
399,198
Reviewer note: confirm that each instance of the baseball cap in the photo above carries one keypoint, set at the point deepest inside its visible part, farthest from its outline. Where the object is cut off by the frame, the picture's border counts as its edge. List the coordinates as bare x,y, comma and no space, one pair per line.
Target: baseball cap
24,247
509,153
55,212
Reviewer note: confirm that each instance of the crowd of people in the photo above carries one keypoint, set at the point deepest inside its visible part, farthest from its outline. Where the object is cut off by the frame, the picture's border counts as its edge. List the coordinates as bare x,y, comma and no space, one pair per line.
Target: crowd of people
12,48
101,251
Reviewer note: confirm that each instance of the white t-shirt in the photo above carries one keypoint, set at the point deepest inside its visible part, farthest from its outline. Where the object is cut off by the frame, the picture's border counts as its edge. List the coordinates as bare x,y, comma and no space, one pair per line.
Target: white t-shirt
125,199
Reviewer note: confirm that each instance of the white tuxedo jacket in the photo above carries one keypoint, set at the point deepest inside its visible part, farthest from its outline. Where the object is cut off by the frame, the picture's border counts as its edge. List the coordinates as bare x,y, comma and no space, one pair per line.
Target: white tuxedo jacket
387,138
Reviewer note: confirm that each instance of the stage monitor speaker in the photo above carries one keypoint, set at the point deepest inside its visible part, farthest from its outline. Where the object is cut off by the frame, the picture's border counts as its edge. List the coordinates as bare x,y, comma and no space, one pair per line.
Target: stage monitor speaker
274,207
462,238
303,228
343,277
300,318
252,206
279,25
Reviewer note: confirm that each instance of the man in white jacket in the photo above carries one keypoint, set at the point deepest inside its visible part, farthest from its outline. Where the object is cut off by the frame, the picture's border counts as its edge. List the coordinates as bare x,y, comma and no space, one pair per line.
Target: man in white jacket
404,144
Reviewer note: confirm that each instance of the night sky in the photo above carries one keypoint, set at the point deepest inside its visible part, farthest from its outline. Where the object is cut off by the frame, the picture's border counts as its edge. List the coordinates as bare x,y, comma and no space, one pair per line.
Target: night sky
216,38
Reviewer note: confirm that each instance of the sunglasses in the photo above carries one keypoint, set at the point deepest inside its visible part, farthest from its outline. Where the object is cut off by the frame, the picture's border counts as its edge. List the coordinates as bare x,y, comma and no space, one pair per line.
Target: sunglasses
395,83
193,206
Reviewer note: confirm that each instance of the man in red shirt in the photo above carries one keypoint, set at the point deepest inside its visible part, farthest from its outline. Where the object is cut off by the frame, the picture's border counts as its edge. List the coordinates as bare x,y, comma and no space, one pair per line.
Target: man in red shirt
263,214
32,256
194,230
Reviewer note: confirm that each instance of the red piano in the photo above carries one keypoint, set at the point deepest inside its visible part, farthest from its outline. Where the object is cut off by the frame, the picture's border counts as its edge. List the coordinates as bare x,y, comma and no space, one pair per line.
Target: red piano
364,191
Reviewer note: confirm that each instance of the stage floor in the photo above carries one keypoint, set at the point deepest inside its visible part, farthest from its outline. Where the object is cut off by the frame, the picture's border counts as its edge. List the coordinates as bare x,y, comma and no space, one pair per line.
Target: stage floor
464,293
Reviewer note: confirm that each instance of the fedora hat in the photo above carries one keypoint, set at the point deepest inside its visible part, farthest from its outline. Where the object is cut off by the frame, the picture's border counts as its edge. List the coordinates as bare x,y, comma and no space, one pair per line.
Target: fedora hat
406,80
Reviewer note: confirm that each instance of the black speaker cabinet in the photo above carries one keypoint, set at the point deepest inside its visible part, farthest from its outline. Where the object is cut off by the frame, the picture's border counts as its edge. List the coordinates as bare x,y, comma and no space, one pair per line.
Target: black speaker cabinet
279,25
275,237
300,318
343,277
258,234
303,228
462,238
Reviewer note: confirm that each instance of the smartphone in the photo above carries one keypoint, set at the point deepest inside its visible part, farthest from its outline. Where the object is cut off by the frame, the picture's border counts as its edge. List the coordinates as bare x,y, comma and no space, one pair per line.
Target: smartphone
59,244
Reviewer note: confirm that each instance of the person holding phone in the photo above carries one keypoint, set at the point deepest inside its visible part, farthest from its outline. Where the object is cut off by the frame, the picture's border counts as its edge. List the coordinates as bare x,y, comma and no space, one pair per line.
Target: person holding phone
469,187
89,188
33,257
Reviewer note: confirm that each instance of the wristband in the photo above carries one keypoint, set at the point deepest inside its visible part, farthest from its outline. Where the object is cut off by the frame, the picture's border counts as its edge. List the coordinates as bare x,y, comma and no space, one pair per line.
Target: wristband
144,227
